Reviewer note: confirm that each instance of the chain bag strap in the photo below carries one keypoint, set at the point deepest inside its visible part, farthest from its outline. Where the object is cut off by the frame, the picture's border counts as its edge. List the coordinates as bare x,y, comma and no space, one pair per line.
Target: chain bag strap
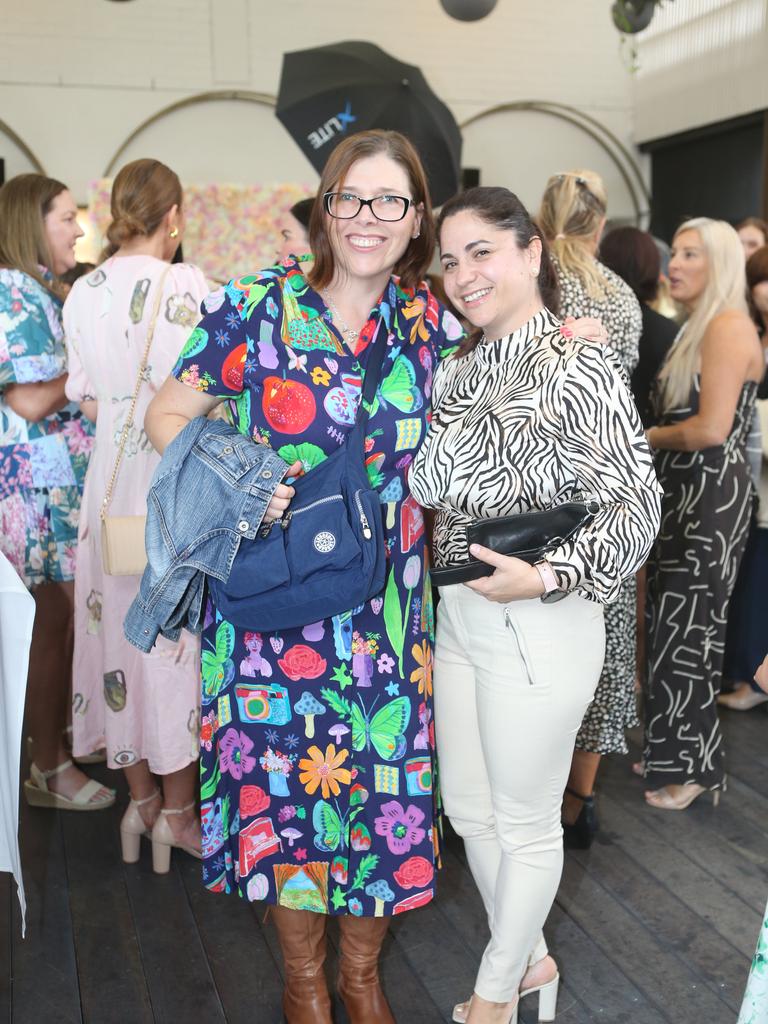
122,537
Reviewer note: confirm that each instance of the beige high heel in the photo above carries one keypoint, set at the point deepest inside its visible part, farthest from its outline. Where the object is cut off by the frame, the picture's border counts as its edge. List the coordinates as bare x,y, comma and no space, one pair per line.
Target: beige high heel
547,1002
133,827
163,841
461,1011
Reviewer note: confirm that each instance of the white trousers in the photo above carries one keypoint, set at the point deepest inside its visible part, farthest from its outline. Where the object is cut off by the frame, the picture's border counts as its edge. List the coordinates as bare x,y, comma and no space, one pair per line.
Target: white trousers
512,683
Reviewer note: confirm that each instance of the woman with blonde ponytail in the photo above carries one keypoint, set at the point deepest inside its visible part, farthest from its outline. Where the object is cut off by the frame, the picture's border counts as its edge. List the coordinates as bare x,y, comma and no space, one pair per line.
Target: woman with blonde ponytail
572,216
705,402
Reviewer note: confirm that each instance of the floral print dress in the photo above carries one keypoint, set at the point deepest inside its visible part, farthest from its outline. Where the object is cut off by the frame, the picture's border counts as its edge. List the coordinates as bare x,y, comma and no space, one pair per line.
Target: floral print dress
317,769
754,1006
43,464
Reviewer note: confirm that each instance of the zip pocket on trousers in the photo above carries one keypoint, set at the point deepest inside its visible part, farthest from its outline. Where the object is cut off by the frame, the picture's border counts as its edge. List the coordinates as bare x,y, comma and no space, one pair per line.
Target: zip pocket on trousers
523,657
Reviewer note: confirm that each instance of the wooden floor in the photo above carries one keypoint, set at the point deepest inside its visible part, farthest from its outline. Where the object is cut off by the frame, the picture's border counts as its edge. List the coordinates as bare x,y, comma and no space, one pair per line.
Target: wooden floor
656,923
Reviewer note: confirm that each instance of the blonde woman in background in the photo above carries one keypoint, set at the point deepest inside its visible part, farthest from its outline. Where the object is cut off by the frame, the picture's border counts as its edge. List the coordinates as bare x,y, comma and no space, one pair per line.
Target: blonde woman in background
572,217
143,707
705,403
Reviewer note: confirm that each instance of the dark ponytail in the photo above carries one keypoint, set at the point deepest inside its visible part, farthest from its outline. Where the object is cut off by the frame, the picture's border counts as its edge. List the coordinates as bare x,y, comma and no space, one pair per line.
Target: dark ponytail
502,209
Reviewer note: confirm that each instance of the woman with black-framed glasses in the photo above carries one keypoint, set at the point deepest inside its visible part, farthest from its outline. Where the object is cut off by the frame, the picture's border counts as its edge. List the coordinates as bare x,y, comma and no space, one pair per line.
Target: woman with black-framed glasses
321,738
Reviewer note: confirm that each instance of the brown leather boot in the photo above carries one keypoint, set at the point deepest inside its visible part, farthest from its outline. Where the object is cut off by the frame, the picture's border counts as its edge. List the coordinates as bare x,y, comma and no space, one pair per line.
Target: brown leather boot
358,984
302,940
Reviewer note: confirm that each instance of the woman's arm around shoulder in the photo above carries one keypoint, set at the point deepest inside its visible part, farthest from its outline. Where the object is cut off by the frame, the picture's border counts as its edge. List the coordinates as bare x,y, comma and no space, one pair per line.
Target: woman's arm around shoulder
730,356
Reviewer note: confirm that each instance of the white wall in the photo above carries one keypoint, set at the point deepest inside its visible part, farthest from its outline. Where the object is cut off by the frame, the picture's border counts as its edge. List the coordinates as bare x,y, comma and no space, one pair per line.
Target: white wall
76,78
701,61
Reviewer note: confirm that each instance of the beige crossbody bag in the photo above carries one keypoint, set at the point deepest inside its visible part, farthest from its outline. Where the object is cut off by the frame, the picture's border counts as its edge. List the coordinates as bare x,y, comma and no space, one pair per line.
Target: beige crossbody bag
123,552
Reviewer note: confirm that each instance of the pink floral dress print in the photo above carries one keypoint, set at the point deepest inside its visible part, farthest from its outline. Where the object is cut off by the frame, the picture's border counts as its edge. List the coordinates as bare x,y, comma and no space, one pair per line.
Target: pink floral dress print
42,465
317,760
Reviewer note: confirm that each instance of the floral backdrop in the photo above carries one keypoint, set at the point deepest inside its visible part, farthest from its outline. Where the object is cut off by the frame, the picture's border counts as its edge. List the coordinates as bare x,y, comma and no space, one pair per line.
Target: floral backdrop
231,229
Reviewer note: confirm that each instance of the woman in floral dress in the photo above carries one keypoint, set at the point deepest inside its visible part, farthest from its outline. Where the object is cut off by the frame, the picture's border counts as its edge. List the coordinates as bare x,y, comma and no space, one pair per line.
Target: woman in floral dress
317,743
754,1006
45,444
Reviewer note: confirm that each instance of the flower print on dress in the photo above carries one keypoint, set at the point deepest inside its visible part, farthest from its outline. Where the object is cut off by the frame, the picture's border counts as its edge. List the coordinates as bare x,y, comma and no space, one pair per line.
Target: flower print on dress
278,767
414,873
422,674
364,651
324,770
192,377
79,439
302,662
385,663
402,828
235,754
208,727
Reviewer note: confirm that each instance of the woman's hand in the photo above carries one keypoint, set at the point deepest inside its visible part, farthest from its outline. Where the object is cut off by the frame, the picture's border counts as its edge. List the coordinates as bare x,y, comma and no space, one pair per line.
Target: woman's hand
587,327
761,676
281,499
513,580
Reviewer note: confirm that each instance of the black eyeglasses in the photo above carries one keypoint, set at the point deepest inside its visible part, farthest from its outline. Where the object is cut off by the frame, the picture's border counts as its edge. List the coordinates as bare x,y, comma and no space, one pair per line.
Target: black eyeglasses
346,206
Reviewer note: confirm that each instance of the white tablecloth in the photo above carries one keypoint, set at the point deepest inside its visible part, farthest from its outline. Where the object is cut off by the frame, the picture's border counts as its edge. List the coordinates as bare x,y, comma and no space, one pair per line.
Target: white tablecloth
17,613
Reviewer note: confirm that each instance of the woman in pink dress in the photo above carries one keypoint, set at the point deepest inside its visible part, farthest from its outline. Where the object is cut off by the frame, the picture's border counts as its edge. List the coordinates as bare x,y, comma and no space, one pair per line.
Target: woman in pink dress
144,708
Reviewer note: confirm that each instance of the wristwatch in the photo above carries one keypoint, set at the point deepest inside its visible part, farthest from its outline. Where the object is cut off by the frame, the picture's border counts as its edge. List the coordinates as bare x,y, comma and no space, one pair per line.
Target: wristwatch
552,591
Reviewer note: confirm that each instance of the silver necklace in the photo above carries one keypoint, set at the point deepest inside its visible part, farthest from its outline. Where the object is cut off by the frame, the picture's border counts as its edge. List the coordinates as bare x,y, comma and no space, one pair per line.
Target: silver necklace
350,336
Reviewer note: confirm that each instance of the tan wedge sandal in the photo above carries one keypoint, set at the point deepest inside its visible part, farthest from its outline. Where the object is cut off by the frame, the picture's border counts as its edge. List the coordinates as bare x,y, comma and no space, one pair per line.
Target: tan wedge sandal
39,795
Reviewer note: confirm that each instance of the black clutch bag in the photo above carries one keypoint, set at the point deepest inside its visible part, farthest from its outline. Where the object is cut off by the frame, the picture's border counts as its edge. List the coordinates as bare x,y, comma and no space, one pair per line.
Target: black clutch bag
529,535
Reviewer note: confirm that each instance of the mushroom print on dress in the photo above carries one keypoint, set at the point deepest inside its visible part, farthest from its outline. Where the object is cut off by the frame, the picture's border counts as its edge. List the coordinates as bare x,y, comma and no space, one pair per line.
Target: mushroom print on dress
317,758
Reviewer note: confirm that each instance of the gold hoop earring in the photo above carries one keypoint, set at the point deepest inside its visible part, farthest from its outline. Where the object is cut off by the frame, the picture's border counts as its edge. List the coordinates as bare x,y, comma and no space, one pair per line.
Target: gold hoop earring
174,233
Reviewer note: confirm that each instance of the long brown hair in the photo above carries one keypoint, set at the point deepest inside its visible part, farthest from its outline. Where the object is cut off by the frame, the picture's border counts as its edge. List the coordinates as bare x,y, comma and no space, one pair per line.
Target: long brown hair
755,222
413,264
502,209
142,193
757,273
25,201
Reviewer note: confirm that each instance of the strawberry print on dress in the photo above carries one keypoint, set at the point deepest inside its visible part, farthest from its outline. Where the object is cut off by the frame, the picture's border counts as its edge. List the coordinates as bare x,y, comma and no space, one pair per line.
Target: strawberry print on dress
317,758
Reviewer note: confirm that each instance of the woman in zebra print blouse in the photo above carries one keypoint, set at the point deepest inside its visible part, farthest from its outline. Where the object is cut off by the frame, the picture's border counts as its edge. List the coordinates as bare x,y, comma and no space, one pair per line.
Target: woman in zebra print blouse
524,417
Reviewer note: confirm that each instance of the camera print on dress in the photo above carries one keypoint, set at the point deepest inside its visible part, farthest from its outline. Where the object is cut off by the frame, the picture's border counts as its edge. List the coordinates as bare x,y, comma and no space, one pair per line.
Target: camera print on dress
317,743
705,515
614,707
43,464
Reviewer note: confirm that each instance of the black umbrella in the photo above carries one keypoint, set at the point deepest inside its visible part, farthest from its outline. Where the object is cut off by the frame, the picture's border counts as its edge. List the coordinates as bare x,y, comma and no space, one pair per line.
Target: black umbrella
329,92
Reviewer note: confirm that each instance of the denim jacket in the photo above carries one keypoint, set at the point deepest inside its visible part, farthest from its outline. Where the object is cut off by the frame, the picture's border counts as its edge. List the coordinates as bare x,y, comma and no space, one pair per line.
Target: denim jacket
211,488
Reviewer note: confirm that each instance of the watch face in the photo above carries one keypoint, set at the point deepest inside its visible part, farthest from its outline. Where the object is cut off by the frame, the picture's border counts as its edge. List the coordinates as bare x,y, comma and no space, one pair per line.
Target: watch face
553,595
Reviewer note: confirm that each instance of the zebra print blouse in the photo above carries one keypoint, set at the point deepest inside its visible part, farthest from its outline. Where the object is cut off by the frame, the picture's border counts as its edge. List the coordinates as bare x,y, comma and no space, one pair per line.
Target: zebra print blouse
527,422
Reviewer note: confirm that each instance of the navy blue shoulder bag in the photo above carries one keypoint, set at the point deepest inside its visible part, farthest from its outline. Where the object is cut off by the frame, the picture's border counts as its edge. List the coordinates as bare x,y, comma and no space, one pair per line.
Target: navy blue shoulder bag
326,555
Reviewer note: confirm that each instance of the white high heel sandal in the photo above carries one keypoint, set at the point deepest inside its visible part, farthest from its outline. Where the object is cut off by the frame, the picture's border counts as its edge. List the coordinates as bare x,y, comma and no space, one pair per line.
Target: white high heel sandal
464,1008
163,841
547,1002
133,827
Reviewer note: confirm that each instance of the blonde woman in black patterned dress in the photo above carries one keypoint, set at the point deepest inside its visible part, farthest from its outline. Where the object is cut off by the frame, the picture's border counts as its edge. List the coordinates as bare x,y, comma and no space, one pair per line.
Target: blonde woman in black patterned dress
572,217
706,396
